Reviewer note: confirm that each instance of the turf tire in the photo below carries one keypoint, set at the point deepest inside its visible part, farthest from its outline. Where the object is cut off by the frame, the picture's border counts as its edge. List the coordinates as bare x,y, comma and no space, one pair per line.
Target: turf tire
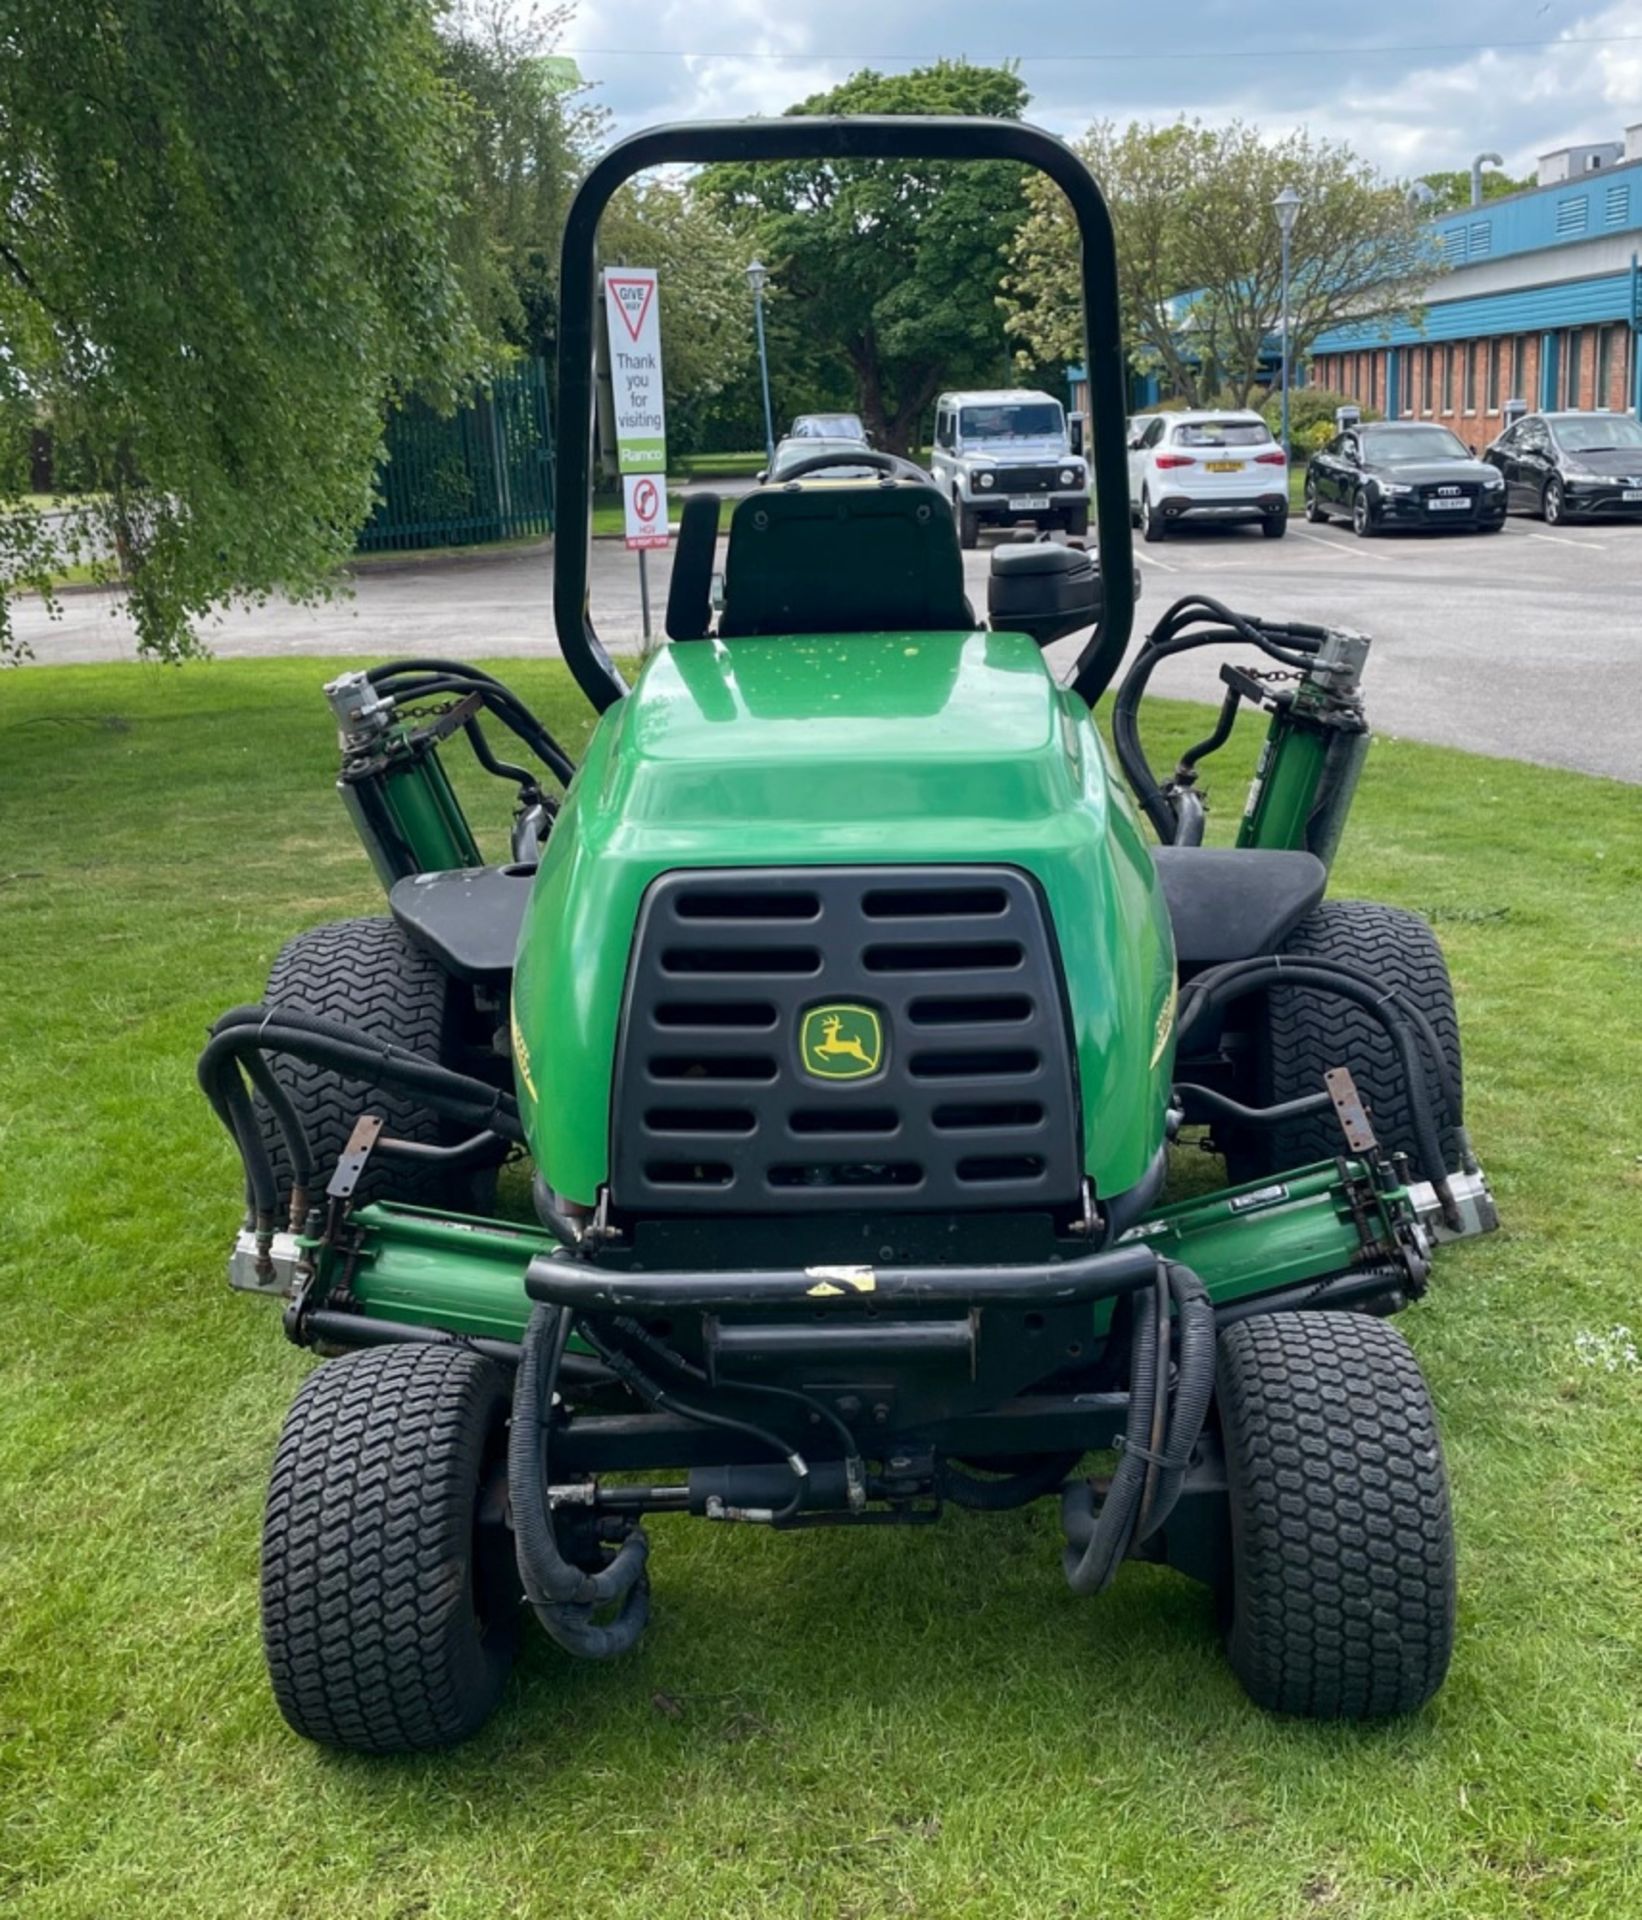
368,974
1299,1034
386,1629
1341,1599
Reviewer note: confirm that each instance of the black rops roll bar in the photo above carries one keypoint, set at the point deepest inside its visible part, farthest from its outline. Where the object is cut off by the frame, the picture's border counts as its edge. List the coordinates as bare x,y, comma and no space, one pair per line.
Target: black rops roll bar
839,137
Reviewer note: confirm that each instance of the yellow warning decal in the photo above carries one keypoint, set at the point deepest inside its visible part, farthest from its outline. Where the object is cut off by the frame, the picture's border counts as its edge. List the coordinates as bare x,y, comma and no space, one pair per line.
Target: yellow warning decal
1165,1024
832,1281
521,1053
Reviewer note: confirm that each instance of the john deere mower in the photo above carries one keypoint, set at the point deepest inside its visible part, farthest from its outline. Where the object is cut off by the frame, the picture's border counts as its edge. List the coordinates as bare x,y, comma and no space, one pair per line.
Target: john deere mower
828,1031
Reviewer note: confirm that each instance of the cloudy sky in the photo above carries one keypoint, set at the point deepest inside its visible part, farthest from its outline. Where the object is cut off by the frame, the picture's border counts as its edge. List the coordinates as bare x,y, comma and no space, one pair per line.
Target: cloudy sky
1412,84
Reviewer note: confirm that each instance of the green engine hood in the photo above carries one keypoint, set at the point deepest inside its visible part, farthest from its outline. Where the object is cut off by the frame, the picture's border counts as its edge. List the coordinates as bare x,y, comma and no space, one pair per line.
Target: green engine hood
896,748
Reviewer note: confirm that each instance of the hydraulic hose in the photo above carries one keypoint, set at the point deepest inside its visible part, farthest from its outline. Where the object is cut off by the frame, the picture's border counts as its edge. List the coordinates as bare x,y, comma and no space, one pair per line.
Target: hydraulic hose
425,678
1099,1539
1010,1490
563,1595
1239,978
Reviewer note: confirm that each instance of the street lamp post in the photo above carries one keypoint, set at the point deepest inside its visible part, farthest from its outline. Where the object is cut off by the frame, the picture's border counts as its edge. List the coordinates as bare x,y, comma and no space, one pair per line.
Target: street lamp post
1287,208
757,274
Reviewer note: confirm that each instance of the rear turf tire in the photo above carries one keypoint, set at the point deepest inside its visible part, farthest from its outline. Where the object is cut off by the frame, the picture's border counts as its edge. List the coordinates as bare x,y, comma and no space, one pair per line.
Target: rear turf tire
388,1612
1298,1034
1341,1598
368,974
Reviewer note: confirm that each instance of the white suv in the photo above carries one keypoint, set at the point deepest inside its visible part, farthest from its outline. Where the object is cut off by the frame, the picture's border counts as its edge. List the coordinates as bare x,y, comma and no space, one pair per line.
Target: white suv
1217,464
1002,457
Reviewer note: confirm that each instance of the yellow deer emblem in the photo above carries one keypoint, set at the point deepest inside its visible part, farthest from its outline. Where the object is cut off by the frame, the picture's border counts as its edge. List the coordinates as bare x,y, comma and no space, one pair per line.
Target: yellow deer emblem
842,1043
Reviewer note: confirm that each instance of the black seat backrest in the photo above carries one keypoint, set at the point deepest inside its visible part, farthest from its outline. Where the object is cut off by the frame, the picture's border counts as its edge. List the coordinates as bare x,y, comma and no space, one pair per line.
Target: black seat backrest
690,590
867,557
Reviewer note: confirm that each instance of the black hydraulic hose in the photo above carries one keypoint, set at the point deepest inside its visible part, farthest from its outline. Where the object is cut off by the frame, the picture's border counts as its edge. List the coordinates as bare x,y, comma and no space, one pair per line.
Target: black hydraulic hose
424,678
522,777
1291,646
329,1043
1239,978
1194,1389
1010,1490
1447,1084
1124,1209
298,1147
1104,1535
1272,1116
631,1374
563,1595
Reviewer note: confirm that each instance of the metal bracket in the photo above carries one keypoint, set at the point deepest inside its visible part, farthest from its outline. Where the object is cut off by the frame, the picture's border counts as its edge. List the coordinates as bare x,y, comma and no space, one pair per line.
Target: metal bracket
350,1168
1350,1112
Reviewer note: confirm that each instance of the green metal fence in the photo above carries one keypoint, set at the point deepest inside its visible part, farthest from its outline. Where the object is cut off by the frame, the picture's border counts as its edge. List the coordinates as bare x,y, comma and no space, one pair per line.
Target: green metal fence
484,473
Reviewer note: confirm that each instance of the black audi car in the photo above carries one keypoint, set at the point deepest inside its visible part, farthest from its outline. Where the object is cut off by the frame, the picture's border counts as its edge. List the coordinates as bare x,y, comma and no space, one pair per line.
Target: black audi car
1565,465
1403,473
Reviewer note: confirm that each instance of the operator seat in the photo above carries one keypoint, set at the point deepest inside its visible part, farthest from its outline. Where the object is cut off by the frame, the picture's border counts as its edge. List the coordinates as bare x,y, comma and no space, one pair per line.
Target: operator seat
1231,903
867,557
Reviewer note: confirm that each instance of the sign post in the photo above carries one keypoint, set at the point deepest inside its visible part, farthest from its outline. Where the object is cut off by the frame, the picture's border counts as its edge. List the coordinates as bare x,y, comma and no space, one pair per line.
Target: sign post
633,323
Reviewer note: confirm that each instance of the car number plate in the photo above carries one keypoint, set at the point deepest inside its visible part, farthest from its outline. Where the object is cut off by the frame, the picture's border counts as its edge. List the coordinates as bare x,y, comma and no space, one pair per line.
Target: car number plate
1029,503
1448,506
1223,466
1633,493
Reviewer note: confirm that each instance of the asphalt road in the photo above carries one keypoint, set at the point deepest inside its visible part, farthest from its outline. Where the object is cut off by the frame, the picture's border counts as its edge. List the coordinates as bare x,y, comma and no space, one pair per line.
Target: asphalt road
1526,644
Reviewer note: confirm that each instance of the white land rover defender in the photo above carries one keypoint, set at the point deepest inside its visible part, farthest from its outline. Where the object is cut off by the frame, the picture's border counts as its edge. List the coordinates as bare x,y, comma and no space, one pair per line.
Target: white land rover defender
1004,457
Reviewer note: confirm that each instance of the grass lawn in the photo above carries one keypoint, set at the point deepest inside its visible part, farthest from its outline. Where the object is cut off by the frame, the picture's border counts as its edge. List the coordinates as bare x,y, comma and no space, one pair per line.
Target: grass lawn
861,1724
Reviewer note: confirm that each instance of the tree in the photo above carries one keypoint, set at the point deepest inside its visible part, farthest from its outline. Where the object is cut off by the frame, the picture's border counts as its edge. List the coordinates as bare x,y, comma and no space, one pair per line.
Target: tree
894,265
1200,255
527,134
1451,191
706,304
223,254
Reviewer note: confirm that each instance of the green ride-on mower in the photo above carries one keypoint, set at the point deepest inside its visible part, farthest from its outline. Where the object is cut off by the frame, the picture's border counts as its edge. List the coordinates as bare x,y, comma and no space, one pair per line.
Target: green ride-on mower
841,1018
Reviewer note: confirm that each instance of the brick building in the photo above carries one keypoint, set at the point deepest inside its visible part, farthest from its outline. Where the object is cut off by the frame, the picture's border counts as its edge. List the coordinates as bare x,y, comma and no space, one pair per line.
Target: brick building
1542,302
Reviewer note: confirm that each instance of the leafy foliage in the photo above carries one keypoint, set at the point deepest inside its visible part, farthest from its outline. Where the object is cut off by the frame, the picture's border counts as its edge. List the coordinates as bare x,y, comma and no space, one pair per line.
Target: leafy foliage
1199,252
223,254
1311,416
1453,189
894,265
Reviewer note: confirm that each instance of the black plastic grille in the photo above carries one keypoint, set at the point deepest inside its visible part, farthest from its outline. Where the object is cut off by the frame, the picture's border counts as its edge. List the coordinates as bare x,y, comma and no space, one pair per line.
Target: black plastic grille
971,1104
1027,479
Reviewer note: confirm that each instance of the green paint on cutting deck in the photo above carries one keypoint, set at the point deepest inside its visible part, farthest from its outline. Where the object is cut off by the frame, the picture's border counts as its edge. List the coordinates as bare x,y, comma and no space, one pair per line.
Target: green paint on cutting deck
841,750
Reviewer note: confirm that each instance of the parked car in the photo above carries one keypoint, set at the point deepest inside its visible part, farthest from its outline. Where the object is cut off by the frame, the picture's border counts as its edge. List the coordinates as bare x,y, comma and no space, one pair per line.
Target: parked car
1220,464
1004,457
1566,465
828,426
1403,473
798,447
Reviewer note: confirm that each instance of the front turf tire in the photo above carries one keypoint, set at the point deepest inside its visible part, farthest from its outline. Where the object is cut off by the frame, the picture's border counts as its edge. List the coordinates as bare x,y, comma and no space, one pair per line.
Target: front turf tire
1340,1604
388,1611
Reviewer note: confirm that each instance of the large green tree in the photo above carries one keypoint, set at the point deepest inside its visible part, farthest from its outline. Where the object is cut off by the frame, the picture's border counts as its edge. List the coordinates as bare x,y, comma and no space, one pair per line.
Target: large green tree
892,266
1200,256
224,251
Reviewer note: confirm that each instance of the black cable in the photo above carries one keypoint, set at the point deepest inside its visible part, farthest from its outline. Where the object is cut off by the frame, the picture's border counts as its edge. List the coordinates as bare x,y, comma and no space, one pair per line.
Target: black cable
426,679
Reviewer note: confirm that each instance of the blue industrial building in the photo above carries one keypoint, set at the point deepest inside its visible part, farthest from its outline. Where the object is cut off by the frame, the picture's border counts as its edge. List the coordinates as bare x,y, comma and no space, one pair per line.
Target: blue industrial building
1542,302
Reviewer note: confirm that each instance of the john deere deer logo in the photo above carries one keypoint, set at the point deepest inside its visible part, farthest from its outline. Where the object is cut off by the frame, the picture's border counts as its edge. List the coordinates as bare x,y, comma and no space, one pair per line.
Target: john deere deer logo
841,1043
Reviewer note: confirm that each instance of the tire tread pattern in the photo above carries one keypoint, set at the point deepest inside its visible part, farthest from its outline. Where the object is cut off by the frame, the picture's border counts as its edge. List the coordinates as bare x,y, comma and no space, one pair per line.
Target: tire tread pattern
367,973
1342,1538
369,1624
1308,1032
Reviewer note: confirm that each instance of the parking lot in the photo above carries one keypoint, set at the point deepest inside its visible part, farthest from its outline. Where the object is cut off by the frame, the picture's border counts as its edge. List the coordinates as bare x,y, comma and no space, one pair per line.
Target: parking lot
1526,643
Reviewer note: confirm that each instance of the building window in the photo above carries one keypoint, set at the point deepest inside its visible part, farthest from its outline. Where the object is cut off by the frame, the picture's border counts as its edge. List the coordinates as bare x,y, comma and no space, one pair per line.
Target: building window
1570,367
1607,338
1429,404
1519,368
1448,379
1496,348
1470,376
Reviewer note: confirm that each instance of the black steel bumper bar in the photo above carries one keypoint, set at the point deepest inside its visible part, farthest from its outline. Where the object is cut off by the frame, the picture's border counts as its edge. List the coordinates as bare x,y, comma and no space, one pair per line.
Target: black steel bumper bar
838,137
562,1281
